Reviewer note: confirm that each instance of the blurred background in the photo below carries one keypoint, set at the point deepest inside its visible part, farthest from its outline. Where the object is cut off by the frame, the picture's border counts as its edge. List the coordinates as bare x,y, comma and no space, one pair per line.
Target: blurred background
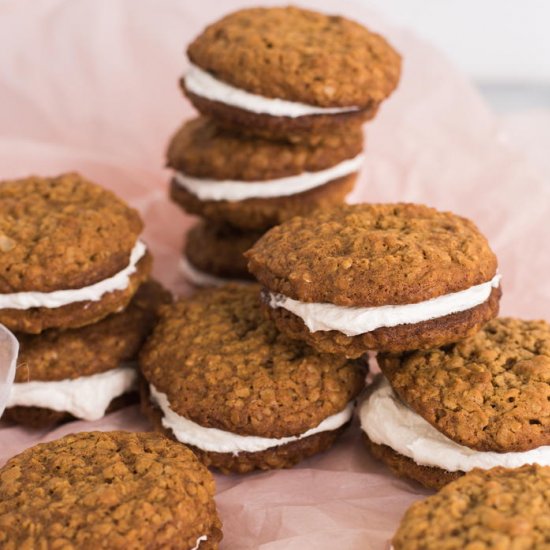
504,45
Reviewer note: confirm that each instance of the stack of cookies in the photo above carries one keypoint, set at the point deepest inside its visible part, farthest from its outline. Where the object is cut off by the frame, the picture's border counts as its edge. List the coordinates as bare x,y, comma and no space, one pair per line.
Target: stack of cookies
282,94
74,288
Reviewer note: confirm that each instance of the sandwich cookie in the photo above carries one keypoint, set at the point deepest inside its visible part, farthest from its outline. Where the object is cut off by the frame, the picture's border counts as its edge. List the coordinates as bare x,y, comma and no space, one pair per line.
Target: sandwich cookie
289,73
481,403
115,490
498,508
70,253
254,183
214,254
86,372
221,379
386,277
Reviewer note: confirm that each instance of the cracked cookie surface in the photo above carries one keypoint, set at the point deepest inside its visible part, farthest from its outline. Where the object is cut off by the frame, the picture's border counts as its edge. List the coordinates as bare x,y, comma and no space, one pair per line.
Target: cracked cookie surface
299,55
490,392
372,255
116,490
498,508
62,233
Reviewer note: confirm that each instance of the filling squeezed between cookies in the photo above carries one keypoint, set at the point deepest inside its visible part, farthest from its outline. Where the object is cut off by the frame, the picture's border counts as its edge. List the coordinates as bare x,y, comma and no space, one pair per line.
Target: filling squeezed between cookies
233,190
87,397
387,421
220,441
353,321
203,84
92,293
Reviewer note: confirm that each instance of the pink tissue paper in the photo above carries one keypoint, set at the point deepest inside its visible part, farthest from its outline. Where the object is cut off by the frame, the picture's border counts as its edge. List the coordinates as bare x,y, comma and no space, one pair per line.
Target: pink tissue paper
92,86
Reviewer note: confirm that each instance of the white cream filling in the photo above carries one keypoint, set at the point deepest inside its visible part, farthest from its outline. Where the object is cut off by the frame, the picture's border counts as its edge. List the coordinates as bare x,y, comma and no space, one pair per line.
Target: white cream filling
203,538
86,397
234,190
92,293
203,84
352,321
220,441
200,278
387,421
9,350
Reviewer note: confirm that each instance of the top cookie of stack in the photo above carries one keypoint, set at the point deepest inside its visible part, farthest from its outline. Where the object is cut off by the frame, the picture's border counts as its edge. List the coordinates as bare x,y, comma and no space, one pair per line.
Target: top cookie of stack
70,253
282,93
289,73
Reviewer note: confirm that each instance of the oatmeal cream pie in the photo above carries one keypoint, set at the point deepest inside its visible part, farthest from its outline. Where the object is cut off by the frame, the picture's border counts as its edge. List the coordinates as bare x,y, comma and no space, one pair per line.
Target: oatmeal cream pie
214,254
481,403
499,508
115,490
290,73
386,277
70,253
85,372
253,183
221,379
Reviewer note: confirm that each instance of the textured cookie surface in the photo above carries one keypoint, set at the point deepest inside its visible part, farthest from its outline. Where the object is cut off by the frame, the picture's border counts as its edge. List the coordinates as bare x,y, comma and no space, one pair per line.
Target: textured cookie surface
67,354
298,55
490,392
107,490
223,365
260,214
219,249
498,508
203,150
372,255
62,233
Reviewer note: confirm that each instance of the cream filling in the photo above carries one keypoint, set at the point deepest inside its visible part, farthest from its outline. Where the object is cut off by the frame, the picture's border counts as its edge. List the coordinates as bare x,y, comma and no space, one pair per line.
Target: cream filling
203,84
352,321
200,278
9,350
387,421
203,538
86,397
220,441
233,190
92,293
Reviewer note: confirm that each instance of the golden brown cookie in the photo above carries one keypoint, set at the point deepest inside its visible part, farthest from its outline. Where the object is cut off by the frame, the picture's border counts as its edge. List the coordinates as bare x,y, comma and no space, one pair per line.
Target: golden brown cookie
498,508
254,183
202,149
228,383
115,490
215,253
490,392
69,253
289,73
389,277
60,356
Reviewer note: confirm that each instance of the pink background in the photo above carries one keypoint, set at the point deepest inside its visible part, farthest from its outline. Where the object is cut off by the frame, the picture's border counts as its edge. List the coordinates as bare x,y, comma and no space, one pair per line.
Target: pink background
91,86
